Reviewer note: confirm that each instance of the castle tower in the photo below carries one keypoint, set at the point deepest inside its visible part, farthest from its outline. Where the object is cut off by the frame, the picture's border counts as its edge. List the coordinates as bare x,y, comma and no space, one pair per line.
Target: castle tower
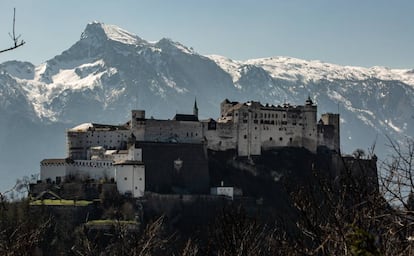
195,108
138,124
333,120
309,132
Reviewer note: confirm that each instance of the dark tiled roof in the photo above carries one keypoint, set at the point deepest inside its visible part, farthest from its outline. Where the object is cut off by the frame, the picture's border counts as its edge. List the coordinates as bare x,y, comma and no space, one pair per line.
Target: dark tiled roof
129,162
184,117
57,161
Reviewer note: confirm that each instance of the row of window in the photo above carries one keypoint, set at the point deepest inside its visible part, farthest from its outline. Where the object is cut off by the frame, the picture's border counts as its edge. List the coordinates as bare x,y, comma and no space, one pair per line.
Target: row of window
119,136
93,164
189,134
268,115
97,143
270,122
87,164
270,138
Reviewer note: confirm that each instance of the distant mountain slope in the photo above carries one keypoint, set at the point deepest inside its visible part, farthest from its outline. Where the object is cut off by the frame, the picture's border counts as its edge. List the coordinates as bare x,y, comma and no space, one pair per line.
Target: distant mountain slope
110,71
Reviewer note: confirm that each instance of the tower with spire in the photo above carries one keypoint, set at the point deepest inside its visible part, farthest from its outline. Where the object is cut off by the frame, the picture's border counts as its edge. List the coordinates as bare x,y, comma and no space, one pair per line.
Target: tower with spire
195,108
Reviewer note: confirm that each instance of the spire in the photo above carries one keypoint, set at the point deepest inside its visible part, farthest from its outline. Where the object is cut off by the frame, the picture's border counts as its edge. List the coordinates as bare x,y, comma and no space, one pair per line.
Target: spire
195,108
309,101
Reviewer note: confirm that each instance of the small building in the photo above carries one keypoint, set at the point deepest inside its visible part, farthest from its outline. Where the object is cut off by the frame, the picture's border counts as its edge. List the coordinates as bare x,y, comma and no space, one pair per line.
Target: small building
223,191
130,178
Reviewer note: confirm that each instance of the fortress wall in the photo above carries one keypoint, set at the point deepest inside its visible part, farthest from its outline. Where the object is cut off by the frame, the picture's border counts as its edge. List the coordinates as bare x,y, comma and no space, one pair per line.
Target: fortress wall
175,167
92,169
79,142
171,130
221,138
79,168
53,171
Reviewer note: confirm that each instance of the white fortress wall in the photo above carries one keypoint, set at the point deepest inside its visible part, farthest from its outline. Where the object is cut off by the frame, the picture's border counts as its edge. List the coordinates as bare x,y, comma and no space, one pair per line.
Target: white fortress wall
92,169
80,142
130,178
51,171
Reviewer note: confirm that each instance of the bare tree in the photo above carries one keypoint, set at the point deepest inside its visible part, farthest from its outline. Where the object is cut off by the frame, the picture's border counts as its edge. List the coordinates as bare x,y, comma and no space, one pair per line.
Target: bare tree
397,177
122,240
16,39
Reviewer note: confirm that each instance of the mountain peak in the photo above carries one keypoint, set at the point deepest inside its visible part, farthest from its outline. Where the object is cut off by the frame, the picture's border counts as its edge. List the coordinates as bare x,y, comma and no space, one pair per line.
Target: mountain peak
169,44
98,31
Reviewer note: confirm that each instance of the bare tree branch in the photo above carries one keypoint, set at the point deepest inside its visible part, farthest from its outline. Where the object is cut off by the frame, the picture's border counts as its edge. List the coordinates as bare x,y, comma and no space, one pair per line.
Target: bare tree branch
16,42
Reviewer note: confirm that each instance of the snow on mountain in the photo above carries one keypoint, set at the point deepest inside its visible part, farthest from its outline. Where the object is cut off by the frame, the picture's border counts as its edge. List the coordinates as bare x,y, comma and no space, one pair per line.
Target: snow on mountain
294,69
230,66
97,31
110,71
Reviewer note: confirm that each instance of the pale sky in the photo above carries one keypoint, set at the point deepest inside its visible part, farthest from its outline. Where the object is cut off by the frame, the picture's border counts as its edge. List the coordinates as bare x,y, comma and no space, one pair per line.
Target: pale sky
353,32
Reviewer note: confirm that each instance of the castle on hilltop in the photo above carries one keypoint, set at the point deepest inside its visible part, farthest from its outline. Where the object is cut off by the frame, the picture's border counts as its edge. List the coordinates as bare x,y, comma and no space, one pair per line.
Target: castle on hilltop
132,153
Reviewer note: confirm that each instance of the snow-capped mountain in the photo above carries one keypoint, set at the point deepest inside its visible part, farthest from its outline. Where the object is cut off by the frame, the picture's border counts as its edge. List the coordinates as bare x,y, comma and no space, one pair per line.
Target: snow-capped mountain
110,71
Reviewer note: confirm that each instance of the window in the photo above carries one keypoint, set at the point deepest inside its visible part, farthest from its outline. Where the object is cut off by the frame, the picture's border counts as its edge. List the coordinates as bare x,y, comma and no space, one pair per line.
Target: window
245,136
125,178
280,138
270,138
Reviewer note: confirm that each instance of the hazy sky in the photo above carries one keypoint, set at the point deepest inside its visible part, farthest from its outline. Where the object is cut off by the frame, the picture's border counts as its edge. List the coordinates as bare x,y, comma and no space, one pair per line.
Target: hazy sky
353,32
